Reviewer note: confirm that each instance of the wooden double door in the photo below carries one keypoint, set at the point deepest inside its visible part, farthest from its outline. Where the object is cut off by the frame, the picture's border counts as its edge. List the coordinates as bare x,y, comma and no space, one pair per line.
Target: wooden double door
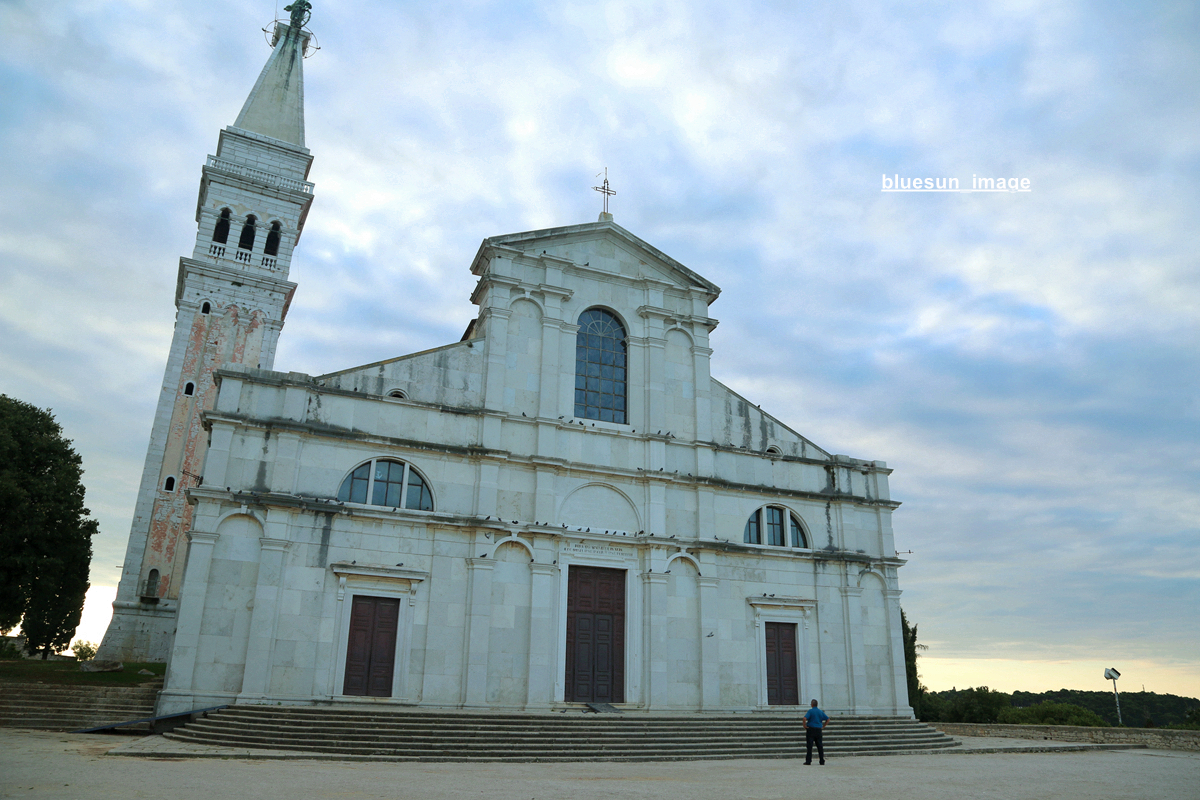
371,647
595,635
783,678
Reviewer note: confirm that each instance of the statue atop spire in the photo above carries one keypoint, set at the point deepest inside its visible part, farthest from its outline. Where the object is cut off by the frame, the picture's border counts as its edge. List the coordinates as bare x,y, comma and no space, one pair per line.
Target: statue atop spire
275,106
301,13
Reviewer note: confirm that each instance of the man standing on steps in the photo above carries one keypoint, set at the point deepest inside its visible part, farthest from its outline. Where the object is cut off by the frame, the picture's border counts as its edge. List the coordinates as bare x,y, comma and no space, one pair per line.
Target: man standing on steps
814,726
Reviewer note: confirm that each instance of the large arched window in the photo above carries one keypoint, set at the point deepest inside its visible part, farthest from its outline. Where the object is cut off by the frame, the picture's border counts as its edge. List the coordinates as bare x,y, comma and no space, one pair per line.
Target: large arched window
766,526
601,367
382,482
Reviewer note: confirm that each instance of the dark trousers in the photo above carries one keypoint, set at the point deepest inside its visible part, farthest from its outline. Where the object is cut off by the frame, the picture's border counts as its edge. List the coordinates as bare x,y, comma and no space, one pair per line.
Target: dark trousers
812,735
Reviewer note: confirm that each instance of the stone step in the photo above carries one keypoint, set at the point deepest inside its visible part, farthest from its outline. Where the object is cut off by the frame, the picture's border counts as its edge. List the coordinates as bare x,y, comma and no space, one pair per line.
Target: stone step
567,720
416,744
75,702
464,736
640,716
580,749
54,690
616,729
73,723
51,707
472,739
590,754
287,728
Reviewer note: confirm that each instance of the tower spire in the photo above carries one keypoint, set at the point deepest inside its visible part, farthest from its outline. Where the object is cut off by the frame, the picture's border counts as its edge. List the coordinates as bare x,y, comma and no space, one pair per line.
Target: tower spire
231,296
275,106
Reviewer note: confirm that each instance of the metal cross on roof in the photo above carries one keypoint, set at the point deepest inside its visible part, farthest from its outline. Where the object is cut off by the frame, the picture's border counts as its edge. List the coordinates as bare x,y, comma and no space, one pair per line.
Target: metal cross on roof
604,188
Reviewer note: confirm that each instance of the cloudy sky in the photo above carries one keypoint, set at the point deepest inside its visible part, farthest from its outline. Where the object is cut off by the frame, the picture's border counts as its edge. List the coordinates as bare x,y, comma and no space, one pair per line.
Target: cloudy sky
1026,362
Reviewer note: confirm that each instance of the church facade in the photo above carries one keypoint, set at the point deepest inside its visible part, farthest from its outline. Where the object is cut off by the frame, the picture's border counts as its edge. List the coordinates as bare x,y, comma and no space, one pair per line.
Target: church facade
563,507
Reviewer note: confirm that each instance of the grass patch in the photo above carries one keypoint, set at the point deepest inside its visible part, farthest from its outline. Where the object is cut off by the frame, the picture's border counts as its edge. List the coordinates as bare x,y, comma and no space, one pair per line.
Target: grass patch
67,673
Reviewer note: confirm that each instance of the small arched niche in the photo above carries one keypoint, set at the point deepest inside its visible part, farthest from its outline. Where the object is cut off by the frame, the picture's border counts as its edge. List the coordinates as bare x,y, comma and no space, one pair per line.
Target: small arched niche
150,587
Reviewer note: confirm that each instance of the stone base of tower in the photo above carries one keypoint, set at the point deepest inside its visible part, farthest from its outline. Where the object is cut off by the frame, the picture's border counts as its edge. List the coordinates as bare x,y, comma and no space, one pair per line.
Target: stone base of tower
139,633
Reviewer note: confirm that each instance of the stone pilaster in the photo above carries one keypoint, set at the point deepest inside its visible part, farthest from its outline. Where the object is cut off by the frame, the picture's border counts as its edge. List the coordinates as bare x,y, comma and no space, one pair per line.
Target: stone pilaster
478,631
654,621
543,639
710,645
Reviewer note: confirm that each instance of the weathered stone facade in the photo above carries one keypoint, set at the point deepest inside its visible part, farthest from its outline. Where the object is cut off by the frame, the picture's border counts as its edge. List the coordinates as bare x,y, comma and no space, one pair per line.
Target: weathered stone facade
523,491
231,299
564,506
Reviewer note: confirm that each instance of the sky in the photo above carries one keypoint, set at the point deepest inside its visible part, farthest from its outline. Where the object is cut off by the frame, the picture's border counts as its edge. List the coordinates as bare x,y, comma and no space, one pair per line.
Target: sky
1026,362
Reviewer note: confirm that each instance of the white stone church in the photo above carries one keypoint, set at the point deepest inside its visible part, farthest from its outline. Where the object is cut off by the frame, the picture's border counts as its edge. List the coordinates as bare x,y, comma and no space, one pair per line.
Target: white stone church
563,507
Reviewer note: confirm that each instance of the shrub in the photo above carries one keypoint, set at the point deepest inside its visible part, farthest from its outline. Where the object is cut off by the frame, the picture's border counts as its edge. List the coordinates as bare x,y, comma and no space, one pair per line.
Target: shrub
84,651
975,705
1052,714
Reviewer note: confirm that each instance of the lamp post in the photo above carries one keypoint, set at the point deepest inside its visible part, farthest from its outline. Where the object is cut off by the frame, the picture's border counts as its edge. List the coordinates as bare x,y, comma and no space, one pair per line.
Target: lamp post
1112,674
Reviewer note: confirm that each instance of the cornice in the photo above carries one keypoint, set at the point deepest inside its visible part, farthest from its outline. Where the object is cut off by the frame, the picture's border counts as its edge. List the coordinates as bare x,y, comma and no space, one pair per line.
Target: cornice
192,267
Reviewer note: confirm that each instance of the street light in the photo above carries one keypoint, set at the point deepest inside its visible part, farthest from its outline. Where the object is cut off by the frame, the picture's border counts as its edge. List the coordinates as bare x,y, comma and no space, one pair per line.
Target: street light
1112,675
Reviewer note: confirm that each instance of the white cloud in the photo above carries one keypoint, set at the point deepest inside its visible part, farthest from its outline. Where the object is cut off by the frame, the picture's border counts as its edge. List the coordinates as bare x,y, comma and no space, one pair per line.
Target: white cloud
1025,362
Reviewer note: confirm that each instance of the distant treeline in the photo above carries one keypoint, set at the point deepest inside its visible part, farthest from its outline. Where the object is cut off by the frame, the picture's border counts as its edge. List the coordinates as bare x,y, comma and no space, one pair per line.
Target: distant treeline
1062,707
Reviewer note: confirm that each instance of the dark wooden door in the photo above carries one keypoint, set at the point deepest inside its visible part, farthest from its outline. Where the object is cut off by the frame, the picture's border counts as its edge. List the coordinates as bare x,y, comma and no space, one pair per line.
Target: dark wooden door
783,683
371,649
595,635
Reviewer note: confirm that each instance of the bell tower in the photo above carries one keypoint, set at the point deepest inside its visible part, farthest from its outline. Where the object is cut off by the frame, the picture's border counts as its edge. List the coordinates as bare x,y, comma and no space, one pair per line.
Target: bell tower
231,298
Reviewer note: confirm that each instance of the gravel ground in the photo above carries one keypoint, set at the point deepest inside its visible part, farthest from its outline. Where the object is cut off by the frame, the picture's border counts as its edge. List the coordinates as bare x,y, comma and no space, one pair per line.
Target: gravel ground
41,764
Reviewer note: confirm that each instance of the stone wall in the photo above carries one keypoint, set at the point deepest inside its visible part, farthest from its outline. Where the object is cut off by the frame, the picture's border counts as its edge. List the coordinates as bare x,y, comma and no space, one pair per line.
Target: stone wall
1159,738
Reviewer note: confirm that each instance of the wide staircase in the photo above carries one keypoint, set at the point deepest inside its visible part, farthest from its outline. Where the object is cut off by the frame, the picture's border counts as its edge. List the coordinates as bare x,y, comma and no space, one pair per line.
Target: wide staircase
379,735
69,708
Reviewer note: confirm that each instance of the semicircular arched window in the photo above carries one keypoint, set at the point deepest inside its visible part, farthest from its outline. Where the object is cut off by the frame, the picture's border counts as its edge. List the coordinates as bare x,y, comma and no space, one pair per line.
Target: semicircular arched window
384,482
775,526
601,367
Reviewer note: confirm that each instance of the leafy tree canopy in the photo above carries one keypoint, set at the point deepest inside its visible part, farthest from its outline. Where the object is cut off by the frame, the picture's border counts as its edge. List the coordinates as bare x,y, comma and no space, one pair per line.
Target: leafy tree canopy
45,533
916,689
1049,713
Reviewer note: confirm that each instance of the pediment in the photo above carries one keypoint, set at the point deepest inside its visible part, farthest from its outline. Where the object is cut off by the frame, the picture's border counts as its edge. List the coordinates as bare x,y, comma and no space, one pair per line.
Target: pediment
597,246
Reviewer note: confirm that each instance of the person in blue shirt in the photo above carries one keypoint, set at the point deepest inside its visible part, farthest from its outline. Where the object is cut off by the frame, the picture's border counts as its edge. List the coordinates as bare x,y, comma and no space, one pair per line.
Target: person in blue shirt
815,721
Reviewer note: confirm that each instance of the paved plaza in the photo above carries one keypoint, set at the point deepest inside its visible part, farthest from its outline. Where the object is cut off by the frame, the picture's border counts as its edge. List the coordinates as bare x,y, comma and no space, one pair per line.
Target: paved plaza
41,764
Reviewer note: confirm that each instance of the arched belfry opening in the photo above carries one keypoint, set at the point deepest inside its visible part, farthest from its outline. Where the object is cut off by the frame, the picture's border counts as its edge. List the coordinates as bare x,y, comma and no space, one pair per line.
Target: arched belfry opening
273,237
246,241
221,230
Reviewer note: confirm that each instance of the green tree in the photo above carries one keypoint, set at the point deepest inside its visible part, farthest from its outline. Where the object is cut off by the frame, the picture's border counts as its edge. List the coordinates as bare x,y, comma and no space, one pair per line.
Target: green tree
84,650
45,533
916,691
1049,713
976,705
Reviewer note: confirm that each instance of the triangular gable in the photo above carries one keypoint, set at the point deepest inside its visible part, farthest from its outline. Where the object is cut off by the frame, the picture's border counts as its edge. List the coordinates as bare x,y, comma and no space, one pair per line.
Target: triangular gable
668,269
